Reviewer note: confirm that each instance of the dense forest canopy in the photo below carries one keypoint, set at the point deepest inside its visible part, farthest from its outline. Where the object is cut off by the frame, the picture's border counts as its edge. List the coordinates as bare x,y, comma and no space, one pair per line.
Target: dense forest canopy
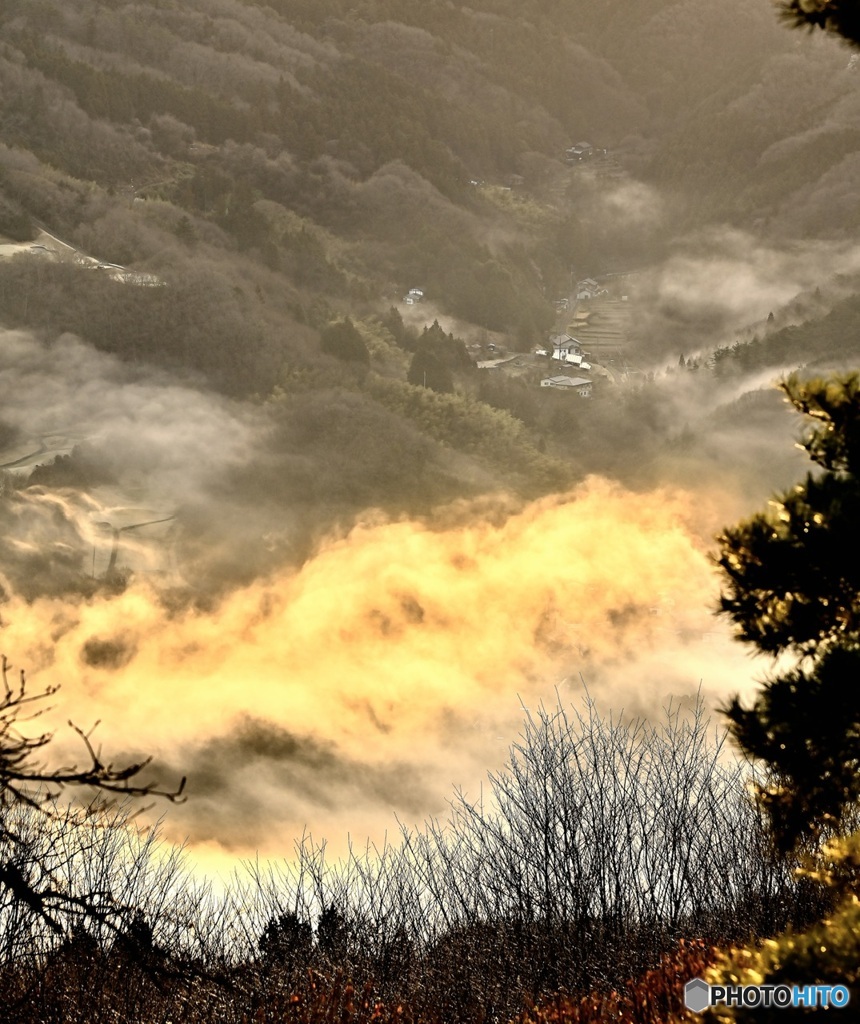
246,195
273,179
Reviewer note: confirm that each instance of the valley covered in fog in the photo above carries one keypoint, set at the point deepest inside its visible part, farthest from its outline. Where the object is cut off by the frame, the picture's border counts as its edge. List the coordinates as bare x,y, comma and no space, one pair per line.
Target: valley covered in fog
375,380
314,545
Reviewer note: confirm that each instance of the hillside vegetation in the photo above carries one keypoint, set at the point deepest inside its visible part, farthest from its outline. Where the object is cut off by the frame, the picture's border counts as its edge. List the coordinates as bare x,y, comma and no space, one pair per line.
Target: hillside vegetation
277,167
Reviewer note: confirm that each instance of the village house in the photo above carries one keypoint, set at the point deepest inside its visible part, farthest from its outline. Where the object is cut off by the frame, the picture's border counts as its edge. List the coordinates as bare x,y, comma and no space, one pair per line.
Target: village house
565,348
579,385
579,151
589,289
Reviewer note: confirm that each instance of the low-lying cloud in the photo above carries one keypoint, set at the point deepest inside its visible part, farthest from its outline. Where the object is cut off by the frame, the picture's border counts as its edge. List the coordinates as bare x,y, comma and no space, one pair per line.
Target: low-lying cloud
390,665
366,678
163,437
722,278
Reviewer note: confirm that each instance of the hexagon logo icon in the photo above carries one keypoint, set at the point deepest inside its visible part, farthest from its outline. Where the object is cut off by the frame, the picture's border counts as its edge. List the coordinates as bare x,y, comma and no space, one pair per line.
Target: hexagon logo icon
697,995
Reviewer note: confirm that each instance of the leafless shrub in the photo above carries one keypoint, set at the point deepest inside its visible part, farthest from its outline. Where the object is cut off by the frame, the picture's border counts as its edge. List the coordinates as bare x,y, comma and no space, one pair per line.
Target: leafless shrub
41,862
600,845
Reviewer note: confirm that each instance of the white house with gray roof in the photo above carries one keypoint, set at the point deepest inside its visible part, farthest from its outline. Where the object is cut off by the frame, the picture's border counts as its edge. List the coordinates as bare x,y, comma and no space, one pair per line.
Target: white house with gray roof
580,385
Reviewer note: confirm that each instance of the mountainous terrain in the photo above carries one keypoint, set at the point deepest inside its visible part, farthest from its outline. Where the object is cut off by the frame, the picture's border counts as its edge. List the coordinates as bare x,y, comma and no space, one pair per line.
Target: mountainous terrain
273,273
296,495
273,169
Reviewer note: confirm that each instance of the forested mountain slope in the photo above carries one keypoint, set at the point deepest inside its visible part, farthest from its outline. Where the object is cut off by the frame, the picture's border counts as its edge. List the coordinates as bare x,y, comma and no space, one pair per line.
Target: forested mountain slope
334,143
279,167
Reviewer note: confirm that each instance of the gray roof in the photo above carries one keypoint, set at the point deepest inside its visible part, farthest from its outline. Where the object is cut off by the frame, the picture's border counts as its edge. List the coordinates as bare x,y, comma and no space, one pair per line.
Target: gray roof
566,382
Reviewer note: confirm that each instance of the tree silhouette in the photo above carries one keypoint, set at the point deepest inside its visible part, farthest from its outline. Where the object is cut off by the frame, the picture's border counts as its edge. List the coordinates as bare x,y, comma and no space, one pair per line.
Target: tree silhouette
27,783
332,933
841,17
137,940
792,586
427,370
448,350
286,941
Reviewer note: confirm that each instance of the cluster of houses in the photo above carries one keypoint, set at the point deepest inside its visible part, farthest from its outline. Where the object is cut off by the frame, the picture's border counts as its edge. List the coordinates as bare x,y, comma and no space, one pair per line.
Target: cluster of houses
566,349
579,152
413,296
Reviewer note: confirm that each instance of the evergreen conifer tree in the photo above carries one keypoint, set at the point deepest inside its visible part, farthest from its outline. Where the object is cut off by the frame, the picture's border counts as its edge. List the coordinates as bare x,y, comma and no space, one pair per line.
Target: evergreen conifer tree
343,341
429,371
792,587
842,17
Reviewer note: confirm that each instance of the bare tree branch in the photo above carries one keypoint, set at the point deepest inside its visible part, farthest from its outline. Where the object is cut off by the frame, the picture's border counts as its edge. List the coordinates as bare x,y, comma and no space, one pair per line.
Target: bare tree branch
28,781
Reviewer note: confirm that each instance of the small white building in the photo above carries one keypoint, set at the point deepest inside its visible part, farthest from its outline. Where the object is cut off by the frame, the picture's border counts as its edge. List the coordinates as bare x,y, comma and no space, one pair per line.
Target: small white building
566,349
588,288
579,151
580,385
